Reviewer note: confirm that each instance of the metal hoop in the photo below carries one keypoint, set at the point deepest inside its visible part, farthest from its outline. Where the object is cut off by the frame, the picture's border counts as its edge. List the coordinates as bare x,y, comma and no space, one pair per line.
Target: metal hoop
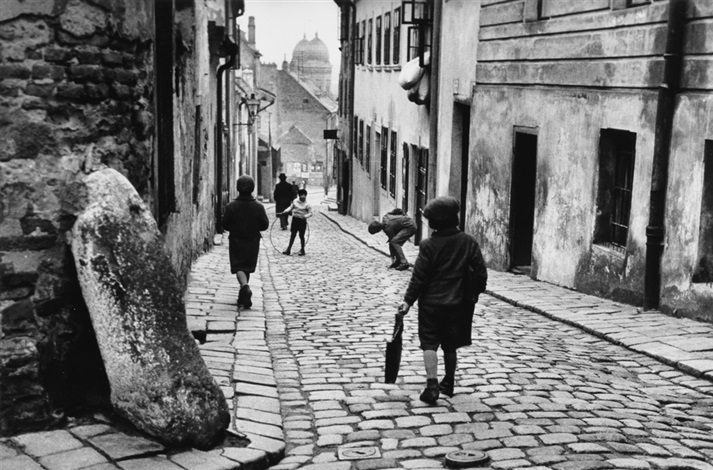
272,241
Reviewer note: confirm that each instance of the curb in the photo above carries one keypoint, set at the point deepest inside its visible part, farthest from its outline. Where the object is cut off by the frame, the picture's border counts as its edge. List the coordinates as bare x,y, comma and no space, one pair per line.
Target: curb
698,365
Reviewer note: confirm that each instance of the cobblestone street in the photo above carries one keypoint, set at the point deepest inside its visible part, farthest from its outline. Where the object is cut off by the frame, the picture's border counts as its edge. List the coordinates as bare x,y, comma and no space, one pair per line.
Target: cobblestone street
532,392
584,383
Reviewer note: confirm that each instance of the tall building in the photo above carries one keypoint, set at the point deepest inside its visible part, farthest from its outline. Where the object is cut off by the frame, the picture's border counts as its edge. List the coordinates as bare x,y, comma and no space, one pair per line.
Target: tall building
310,62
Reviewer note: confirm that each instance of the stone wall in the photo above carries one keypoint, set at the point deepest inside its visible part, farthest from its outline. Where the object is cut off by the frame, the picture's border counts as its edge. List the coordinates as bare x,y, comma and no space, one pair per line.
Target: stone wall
77,95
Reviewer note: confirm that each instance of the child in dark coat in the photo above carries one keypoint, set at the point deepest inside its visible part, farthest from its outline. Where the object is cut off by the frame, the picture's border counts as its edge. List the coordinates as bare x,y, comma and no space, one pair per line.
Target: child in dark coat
244,218
447,279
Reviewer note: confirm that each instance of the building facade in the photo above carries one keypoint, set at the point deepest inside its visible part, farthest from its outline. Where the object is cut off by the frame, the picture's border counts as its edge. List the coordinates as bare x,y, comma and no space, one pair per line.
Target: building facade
130,85
567,112
548,121
384,144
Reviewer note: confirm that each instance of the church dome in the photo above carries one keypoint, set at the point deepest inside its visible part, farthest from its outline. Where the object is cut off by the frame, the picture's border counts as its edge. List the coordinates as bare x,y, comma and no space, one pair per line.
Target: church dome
314,51
310,62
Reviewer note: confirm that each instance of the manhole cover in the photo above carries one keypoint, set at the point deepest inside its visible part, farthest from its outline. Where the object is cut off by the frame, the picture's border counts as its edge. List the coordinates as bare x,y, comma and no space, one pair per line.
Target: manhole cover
358,453
465,458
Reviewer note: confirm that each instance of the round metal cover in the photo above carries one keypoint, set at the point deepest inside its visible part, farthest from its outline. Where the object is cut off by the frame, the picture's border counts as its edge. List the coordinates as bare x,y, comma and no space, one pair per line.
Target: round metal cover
465,458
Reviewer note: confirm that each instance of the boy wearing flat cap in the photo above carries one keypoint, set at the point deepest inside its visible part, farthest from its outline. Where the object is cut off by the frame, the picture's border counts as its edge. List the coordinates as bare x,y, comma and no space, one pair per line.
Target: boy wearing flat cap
447,279
398,228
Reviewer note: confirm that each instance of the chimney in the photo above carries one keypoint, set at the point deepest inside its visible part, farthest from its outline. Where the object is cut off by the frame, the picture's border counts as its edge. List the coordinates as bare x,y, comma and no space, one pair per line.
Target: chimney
251,30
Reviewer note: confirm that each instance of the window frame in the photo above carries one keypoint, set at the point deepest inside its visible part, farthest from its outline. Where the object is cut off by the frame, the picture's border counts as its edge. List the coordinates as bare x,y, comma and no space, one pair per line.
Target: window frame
384,161
387,38
370,40
378,32
617,164
396,55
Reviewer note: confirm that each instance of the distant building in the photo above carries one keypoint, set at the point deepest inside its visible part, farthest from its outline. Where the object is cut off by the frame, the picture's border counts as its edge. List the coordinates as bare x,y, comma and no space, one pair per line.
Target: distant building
310,63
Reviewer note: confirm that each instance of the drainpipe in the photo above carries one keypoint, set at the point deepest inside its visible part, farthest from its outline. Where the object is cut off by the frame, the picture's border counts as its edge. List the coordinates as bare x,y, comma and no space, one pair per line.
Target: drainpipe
434,104
231,49
655,231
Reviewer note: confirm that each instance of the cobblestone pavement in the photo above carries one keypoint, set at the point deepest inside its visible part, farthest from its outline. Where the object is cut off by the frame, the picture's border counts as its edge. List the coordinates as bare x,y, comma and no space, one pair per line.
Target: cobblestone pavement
532,392
555,379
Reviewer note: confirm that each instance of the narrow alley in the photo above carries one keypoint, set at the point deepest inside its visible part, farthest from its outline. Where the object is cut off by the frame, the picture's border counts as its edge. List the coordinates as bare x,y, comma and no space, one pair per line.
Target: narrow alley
530,391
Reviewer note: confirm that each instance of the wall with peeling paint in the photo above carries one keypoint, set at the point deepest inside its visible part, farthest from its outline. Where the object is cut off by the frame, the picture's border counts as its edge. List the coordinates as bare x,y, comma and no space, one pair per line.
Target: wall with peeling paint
555,73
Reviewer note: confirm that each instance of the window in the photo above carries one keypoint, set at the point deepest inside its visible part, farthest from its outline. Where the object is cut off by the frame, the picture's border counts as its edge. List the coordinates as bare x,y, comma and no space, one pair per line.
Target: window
397,37
387,38
413,42
703,271
367,156
361,142
384,155
359,44
392,166
369,40
616,178
378,40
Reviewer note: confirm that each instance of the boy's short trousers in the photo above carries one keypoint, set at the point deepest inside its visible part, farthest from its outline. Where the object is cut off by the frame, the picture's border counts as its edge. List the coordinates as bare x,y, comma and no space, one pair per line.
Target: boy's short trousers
446,326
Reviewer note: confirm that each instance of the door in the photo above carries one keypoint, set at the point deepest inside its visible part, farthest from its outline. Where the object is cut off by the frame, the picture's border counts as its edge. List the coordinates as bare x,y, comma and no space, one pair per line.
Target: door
458,181
522,199
421,194
405,179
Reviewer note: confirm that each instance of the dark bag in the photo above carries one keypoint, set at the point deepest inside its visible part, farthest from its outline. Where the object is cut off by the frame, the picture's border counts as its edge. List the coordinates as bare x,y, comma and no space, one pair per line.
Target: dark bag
393,353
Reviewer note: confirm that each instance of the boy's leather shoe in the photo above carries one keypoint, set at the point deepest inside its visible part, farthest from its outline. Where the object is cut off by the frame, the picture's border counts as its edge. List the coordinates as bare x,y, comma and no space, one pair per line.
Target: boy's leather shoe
301,253
246,295
446,387
429,395
402,267
394,264
286,252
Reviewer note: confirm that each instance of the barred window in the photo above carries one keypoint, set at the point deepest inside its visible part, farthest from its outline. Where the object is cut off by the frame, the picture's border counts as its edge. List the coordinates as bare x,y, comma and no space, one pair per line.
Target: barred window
378,40
367,156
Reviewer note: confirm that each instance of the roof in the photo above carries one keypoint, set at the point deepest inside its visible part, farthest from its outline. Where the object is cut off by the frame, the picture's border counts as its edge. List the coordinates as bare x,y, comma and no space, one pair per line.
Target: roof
328,103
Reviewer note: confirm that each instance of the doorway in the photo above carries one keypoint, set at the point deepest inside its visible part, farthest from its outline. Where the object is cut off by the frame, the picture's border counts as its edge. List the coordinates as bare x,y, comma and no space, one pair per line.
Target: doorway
522,199
421,192
458,181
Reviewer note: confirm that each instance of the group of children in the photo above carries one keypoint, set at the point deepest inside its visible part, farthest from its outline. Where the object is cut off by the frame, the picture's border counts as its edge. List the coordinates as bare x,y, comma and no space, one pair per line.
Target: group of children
448,276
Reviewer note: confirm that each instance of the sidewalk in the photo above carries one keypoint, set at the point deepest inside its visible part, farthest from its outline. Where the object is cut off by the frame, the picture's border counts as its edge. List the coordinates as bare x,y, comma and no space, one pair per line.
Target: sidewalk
679,342
234,347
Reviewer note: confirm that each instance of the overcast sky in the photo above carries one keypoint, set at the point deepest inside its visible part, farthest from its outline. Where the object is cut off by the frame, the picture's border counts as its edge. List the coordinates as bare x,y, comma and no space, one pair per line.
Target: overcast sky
281,24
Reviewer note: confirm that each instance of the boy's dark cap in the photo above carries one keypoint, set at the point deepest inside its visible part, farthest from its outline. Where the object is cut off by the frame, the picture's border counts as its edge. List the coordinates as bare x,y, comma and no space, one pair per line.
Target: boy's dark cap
442,212
282,176
374,227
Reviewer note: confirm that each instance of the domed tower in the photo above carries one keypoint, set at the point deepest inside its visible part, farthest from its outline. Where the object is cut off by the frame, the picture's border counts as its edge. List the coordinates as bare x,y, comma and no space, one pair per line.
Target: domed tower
310,62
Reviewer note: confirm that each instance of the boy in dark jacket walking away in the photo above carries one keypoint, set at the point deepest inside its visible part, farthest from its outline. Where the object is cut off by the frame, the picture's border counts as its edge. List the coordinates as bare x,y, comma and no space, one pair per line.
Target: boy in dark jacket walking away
283,195
244,218
398,228
447,279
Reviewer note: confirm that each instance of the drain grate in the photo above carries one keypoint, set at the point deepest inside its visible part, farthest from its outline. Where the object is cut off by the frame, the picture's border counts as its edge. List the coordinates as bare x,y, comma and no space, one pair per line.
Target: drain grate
358,453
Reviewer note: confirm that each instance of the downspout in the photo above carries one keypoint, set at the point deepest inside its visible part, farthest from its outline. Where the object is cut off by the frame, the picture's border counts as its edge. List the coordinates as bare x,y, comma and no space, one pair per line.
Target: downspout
228,48
655,231
433,92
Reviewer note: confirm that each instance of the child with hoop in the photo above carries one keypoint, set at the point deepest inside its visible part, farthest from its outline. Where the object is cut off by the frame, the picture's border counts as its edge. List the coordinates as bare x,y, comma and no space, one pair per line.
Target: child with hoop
301,210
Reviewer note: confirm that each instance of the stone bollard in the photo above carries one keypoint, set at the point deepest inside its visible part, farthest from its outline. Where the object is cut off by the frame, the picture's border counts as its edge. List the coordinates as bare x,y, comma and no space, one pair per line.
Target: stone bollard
158,379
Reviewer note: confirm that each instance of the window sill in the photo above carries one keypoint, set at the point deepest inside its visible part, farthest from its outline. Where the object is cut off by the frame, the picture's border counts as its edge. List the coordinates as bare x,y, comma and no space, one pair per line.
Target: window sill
610,250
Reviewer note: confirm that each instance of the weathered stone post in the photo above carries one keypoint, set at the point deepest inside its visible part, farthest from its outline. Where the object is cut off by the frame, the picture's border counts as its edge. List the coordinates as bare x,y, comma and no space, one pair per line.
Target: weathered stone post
158,379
